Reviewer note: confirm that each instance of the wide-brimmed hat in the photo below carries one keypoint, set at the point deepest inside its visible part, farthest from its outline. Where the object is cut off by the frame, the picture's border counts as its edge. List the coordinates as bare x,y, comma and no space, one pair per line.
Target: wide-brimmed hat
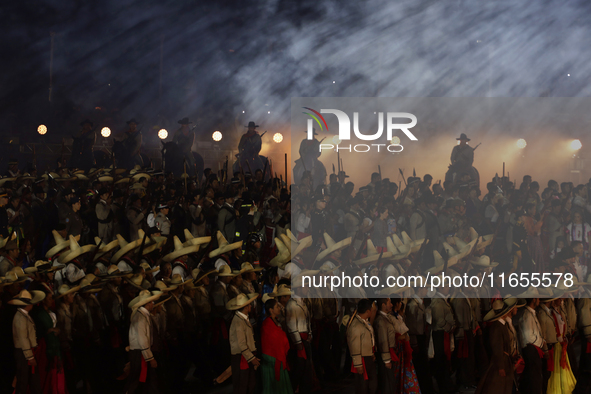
241,301
397,252
20,273
105,248
440,263
26,297
224,246
75,251
114,272
550,294
251,124
12,278
191,240
138,282
297,246
247,267
65,290
44,267
332,246
176,280
531,292
500,308
282,257
180,250
87,285
483,262
372,255
126,247
159,242
199,274
162,286
148,269
145,297
281,290
225,270
60,244
184,121
463,137
328,267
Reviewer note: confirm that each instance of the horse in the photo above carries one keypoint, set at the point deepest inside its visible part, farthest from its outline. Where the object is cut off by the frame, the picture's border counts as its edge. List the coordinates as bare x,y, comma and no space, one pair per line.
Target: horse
452,175
256,163
315,167
173,160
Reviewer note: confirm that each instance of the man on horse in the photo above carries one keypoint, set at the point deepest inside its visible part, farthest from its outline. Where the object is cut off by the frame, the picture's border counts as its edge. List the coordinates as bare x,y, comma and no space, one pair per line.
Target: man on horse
184,138
132,141
83,146
462,157
250,147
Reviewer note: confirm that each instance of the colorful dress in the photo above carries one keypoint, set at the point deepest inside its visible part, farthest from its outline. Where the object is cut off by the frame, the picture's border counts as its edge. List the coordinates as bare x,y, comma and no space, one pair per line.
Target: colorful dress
404,368
274,368
562,380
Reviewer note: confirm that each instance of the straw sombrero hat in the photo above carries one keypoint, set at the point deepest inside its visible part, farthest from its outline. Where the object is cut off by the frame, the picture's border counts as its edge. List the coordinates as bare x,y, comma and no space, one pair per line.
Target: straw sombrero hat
332,246
485,240
145,297
176,280
12,278
26,297
126,247
440,263
64,290
406,239
483,262
164,287
60,244
105,248
372,255
44,267
114,272
4,241
397,252
20,273
328,267
159,242
225,270
224,246
198,274
148,269
192,241
138,282
283,256
180,250
162,300
75,251
281,290
87,285
297,246
241,301
397,241
247,267
500,308
550,294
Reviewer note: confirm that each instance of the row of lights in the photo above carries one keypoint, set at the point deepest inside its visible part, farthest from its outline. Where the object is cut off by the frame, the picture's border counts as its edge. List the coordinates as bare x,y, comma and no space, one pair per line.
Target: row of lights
162,134
574,144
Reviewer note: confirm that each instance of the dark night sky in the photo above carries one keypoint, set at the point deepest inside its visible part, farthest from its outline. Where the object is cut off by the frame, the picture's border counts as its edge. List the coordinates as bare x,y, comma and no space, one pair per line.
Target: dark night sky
222,57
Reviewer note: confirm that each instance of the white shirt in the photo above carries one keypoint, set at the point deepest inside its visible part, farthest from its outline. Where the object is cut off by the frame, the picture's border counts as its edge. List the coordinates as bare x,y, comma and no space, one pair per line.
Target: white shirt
530,329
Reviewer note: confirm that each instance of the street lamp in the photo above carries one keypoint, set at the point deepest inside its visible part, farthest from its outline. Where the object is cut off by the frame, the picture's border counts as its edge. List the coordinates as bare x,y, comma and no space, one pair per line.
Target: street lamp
42,129
162,134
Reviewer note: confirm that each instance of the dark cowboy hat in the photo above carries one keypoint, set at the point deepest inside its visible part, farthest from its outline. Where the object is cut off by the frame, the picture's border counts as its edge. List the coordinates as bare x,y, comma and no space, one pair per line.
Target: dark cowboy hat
85,121
185,121
463,137
252,124
132,120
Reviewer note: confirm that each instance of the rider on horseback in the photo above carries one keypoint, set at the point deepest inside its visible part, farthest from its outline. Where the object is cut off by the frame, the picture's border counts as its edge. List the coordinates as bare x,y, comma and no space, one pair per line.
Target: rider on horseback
250,146
462,157
184,138
132,141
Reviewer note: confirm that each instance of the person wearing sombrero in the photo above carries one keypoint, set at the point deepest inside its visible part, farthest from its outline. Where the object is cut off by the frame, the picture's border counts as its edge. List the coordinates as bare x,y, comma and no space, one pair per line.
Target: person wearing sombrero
83,146
125,256
25,342
361,341
74,270
462,155
222,252
249,147
242,345
179,258
184,138
534,349
142,362
498,378
9,258
132,144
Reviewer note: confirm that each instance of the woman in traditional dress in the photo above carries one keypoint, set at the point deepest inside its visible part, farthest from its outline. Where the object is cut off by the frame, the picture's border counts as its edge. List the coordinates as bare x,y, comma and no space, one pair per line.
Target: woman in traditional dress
404,368
562,380
274,375
49,359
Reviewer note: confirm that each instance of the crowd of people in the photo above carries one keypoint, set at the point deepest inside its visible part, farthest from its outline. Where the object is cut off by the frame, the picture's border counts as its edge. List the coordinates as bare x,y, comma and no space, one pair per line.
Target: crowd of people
130,280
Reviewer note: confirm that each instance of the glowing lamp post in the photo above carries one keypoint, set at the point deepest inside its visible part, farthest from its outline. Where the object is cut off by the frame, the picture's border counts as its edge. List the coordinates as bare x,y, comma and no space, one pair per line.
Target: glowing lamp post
216,136
42,129
278,137
162,134
521,144
105,132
